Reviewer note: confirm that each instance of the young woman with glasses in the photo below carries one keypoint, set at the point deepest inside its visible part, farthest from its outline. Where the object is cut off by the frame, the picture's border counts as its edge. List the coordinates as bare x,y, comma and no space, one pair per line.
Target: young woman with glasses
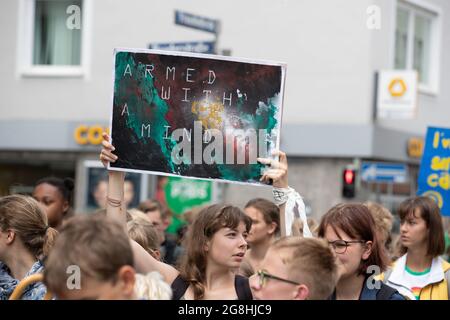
350,232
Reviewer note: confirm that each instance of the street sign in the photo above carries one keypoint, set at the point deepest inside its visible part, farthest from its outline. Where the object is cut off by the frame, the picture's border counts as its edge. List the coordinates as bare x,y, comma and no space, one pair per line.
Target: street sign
384,172
193,46
196,22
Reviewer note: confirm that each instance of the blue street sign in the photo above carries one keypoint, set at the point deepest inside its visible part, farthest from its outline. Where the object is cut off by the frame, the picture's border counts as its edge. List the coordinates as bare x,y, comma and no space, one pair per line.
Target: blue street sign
434,174
384,172
196,22
197,46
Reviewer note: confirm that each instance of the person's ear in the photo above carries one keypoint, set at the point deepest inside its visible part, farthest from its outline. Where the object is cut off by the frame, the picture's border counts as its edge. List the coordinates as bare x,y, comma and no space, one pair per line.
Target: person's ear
367,250
10,237
302,292
156,254
272,228
206,246
66,206
127,278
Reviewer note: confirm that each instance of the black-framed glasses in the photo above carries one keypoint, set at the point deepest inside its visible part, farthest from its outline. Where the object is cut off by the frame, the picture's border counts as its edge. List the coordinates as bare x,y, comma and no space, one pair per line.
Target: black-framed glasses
340,246
263,276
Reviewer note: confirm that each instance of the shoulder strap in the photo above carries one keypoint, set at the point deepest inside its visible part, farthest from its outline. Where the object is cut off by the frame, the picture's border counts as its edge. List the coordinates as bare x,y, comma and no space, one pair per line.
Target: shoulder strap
242,286
385,292
179,287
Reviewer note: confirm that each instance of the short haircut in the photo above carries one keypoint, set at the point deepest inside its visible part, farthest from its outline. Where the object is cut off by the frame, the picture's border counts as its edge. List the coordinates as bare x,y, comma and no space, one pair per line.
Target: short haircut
310,261
356,221
268,209
430,212
97,245
155,205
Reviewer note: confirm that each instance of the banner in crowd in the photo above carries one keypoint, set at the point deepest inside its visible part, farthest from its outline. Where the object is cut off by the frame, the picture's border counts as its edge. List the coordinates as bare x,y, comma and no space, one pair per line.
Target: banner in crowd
182,195
434,175
195,115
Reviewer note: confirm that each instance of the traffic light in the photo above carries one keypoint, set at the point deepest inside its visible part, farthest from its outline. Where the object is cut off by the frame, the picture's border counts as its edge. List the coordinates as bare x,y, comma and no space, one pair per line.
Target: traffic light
348,183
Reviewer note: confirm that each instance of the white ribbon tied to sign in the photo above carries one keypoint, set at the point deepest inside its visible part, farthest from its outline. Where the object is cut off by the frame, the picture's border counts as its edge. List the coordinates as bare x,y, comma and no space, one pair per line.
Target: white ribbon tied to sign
295,208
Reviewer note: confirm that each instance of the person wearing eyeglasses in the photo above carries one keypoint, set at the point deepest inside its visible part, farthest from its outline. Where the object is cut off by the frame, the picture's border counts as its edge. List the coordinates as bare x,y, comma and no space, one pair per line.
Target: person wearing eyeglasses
296,268
350,231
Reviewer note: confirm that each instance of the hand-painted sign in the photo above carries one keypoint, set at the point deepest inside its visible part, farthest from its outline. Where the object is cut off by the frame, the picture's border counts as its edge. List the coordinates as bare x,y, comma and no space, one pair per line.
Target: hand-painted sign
434,175
194,115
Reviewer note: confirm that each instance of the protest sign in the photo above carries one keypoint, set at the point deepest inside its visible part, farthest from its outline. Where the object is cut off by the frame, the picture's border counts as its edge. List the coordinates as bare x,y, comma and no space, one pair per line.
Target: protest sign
434,175
195,115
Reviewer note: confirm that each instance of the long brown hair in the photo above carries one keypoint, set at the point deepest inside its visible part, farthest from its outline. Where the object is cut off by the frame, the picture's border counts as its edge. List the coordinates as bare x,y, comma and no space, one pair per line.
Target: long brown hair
429,211
23,215
206,224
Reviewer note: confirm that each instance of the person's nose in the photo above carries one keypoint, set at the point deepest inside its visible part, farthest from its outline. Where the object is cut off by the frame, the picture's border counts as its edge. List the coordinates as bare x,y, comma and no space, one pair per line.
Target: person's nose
243,242
254,282
403,228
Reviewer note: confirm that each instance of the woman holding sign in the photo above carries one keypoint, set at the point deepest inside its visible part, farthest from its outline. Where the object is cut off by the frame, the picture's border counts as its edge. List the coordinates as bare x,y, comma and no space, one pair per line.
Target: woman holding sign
216,243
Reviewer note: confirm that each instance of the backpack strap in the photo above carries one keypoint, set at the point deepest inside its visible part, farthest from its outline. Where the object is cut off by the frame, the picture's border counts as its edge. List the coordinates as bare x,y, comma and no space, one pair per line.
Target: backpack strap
385,292
179,287
242,286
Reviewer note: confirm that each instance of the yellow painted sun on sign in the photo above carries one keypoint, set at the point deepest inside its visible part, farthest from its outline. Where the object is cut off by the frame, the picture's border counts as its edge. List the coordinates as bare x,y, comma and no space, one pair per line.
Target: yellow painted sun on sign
436,196
397,87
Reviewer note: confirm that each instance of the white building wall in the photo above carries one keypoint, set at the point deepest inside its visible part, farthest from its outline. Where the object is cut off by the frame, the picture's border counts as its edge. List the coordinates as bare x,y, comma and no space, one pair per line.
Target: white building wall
324,43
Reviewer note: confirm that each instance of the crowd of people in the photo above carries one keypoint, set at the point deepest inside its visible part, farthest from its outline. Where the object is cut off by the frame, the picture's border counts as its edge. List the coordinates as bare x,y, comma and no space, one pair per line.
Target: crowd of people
224,252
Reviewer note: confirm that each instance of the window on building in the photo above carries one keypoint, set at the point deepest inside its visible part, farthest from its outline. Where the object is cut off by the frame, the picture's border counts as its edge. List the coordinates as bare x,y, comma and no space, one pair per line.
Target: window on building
417,43
53,37
57,41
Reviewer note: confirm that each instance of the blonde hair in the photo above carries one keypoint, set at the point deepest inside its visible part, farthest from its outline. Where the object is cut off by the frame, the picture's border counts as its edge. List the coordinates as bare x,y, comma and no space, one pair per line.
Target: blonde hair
137,214
23,215
310,261
141,230
152,287
383,219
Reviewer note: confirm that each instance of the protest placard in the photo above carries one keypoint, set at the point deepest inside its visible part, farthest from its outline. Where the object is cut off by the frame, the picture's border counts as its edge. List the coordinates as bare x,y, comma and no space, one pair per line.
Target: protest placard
195,115
434,175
